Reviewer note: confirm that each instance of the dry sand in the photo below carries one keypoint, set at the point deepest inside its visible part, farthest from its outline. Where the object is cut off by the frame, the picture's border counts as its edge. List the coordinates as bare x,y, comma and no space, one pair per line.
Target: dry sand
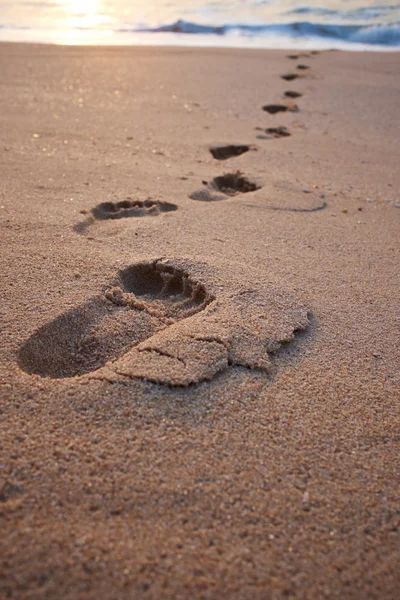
199,374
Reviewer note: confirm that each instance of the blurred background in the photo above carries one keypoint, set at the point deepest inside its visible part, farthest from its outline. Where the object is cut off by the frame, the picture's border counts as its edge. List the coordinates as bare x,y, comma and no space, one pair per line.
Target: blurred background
347,24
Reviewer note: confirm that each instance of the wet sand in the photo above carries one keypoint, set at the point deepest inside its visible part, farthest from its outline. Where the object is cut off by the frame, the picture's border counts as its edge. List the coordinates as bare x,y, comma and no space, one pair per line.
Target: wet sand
199,380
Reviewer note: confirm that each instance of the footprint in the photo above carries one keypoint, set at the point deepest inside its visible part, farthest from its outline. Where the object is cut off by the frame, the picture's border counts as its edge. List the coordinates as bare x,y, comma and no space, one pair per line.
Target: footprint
222,186
290,76
157,322
278,132
143,299
229,151
300,55
125,209
288,197
292,94
273,109
302,67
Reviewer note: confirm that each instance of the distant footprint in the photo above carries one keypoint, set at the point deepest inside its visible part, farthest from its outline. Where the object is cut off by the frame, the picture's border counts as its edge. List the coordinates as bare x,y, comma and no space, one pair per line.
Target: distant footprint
302,67
157,322
290,76
278,132
124,209
273,109
229,184
229,151
292,94
300,55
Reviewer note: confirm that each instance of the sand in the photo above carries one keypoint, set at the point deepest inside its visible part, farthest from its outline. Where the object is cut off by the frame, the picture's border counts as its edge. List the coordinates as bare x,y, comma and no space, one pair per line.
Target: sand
199,382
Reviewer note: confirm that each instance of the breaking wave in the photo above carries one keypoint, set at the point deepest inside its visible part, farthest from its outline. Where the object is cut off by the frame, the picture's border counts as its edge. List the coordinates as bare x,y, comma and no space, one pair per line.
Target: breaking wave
382,35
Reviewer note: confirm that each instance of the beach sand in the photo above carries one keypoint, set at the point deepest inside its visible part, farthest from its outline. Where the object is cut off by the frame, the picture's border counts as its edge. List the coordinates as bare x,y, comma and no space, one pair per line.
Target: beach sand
199,381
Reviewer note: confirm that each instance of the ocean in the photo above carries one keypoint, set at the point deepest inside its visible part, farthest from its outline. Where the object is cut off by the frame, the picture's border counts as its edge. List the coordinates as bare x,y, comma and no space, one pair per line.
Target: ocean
341,24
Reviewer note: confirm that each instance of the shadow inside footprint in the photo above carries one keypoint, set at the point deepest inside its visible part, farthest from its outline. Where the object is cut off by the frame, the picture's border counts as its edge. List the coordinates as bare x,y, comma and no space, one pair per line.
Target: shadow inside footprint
273,109
290,76
229,151
143,299
302,67
229,184
292,94
125,209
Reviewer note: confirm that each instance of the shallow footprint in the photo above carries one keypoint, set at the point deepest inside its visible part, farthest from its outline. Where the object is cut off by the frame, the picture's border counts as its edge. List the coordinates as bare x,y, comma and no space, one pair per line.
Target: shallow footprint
287,197
175,330
229,184
125,209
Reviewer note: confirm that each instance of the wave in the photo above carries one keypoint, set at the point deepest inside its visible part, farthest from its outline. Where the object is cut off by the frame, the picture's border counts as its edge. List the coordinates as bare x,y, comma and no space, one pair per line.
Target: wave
360,13
383,35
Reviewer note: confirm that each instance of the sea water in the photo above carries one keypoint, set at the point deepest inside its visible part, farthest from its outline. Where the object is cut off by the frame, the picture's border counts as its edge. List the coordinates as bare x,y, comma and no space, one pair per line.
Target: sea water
344,24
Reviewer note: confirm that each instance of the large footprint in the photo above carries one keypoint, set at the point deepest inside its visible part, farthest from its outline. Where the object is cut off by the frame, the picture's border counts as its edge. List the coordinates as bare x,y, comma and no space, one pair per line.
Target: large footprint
156,321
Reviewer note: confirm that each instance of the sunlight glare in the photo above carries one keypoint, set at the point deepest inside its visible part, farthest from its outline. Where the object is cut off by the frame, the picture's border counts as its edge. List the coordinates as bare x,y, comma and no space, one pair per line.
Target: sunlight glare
84,14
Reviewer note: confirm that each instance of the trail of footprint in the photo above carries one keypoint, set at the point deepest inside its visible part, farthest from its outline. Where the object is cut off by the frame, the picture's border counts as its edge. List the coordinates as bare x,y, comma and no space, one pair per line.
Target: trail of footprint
222,186
174,331
125,209
273,109
229,151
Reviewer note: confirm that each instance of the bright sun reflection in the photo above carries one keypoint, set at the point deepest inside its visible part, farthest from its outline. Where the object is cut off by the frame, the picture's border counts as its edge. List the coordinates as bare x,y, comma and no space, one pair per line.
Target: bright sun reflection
84,14
85,22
